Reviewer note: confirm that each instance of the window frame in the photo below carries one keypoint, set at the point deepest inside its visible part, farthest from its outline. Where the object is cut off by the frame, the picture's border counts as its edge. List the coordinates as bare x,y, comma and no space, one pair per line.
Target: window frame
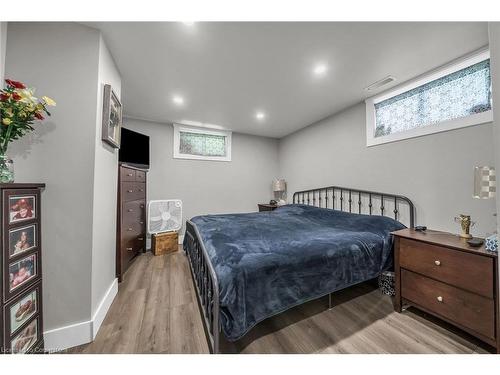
452,124
178,128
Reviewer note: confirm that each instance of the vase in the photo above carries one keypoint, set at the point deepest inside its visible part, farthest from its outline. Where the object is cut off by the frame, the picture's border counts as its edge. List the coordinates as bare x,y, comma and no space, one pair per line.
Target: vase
6,169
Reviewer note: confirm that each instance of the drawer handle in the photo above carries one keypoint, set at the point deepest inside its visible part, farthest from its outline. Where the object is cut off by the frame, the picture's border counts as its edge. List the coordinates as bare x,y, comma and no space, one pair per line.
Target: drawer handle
130,191
141,189
141,222
129,229
140,238
130,210
129,249
437,262
142,206
129,174
440,299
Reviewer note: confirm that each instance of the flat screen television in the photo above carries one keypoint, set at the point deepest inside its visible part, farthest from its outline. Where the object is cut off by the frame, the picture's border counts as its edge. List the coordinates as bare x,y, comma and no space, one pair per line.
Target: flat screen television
134,148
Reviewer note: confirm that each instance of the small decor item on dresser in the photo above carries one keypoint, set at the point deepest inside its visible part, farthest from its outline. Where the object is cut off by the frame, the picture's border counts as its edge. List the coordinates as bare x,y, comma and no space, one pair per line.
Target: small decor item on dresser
465,224
19,110
386,282
492,243
111,117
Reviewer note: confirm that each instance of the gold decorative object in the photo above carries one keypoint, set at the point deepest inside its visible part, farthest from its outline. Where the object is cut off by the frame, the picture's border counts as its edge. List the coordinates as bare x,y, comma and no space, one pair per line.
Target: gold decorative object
466,224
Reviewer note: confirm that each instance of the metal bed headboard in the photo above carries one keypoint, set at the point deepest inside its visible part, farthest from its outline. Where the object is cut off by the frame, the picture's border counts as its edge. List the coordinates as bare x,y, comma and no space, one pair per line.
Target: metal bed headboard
356,201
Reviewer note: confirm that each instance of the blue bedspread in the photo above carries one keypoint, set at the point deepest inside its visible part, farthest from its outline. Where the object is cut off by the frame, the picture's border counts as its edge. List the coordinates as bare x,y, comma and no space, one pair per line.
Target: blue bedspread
268,262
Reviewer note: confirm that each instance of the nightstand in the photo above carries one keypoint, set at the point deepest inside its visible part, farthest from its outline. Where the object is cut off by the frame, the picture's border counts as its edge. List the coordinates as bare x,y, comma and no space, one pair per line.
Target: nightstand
439,273
267,207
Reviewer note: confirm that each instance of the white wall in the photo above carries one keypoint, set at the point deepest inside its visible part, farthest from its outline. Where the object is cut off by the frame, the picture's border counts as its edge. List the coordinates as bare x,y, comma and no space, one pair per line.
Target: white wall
105,189
3,42
210,186
435,171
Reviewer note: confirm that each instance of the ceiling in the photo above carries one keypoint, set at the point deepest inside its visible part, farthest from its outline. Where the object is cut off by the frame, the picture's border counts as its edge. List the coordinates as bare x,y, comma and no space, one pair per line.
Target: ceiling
227,72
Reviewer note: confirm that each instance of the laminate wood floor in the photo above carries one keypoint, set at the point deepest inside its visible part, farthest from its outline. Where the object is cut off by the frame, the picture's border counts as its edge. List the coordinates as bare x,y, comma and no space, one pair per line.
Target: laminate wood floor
156,311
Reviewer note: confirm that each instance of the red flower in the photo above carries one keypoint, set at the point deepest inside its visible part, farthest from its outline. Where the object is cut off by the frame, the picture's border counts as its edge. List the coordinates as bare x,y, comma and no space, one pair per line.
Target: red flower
16,96
39,116
15,84
4,97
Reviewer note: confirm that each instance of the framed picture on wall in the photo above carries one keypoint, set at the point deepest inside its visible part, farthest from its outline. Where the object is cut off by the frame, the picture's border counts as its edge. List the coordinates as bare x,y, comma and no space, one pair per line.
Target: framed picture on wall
111,117
22,271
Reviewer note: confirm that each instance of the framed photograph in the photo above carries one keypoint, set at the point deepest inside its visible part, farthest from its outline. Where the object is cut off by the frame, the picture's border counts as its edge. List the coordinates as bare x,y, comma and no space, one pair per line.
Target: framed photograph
22,310
22,271
111,117
25,339
22,239
22,208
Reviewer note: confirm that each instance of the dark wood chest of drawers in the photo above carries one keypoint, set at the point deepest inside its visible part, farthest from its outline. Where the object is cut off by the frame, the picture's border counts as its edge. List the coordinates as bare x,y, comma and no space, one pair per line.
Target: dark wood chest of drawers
441,274
131,221
21,312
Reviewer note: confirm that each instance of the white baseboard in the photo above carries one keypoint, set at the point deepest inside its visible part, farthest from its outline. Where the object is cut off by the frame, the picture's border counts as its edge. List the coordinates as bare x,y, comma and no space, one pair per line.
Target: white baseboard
180,239
80,333
103,307
67,337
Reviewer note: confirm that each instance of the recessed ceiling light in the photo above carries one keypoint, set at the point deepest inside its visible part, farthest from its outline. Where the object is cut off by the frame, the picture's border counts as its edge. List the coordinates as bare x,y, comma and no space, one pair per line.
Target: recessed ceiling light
260,115
320,69
177,99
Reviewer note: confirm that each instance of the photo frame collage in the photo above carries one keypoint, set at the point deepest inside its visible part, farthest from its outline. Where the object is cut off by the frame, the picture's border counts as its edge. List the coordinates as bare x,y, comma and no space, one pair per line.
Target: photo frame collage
22,271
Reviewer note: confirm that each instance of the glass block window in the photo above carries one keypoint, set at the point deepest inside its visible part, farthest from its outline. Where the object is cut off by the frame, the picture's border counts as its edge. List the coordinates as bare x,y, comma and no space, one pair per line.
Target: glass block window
201,143
454,97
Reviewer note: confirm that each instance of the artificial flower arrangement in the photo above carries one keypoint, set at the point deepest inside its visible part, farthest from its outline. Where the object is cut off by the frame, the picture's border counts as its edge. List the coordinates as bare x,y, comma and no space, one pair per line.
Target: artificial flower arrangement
19,109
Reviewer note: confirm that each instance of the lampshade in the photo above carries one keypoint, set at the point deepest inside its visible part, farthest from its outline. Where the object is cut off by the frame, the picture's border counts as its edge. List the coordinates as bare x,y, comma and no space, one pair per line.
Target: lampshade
484,182
279,185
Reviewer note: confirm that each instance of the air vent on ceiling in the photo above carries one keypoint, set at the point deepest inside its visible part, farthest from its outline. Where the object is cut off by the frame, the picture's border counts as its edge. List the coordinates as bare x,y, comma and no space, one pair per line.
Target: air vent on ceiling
380,83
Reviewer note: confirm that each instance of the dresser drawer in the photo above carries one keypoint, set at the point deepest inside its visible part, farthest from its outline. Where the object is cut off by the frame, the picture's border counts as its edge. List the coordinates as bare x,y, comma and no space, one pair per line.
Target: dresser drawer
140,176
127,174
134,211
133,191
467,309
468,271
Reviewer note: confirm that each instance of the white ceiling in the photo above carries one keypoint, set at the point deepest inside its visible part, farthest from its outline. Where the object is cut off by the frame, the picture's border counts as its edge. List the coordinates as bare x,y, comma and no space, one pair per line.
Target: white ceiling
226,72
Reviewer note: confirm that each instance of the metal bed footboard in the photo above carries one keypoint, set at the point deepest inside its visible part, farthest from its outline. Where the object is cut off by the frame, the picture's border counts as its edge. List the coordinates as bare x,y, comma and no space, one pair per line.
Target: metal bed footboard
205,283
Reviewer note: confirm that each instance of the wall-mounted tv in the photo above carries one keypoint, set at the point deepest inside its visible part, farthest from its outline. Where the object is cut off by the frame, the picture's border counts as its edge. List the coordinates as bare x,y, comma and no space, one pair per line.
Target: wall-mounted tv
134,148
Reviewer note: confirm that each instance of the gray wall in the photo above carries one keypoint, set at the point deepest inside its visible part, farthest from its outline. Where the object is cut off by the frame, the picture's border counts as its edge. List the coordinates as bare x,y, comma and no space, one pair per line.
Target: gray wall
210,186
3,42
61,61
494,35
435,171
105,188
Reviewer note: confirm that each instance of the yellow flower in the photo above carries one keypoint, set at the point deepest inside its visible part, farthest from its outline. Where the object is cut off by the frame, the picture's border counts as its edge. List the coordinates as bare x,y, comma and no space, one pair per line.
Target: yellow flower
8,112
6,121
39,107
27,96
49,101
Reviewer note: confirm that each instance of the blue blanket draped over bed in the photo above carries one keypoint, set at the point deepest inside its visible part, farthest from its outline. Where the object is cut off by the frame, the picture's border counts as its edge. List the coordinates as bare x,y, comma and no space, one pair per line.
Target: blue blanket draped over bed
270,261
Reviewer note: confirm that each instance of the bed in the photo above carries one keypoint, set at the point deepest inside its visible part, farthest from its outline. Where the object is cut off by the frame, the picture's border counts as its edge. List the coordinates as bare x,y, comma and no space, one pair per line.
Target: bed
249,267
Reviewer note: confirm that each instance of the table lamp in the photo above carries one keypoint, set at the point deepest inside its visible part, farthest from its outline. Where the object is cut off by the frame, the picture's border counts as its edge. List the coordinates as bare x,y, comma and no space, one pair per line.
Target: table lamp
485,188
279,189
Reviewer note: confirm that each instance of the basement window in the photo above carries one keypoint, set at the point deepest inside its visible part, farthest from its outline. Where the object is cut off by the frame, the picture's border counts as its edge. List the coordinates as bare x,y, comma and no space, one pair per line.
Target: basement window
201,143
452,97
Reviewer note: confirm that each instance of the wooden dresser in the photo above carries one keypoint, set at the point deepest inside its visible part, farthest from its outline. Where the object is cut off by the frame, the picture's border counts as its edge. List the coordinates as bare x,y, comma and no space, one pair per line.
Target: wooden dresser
441,274
131,221
21,313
